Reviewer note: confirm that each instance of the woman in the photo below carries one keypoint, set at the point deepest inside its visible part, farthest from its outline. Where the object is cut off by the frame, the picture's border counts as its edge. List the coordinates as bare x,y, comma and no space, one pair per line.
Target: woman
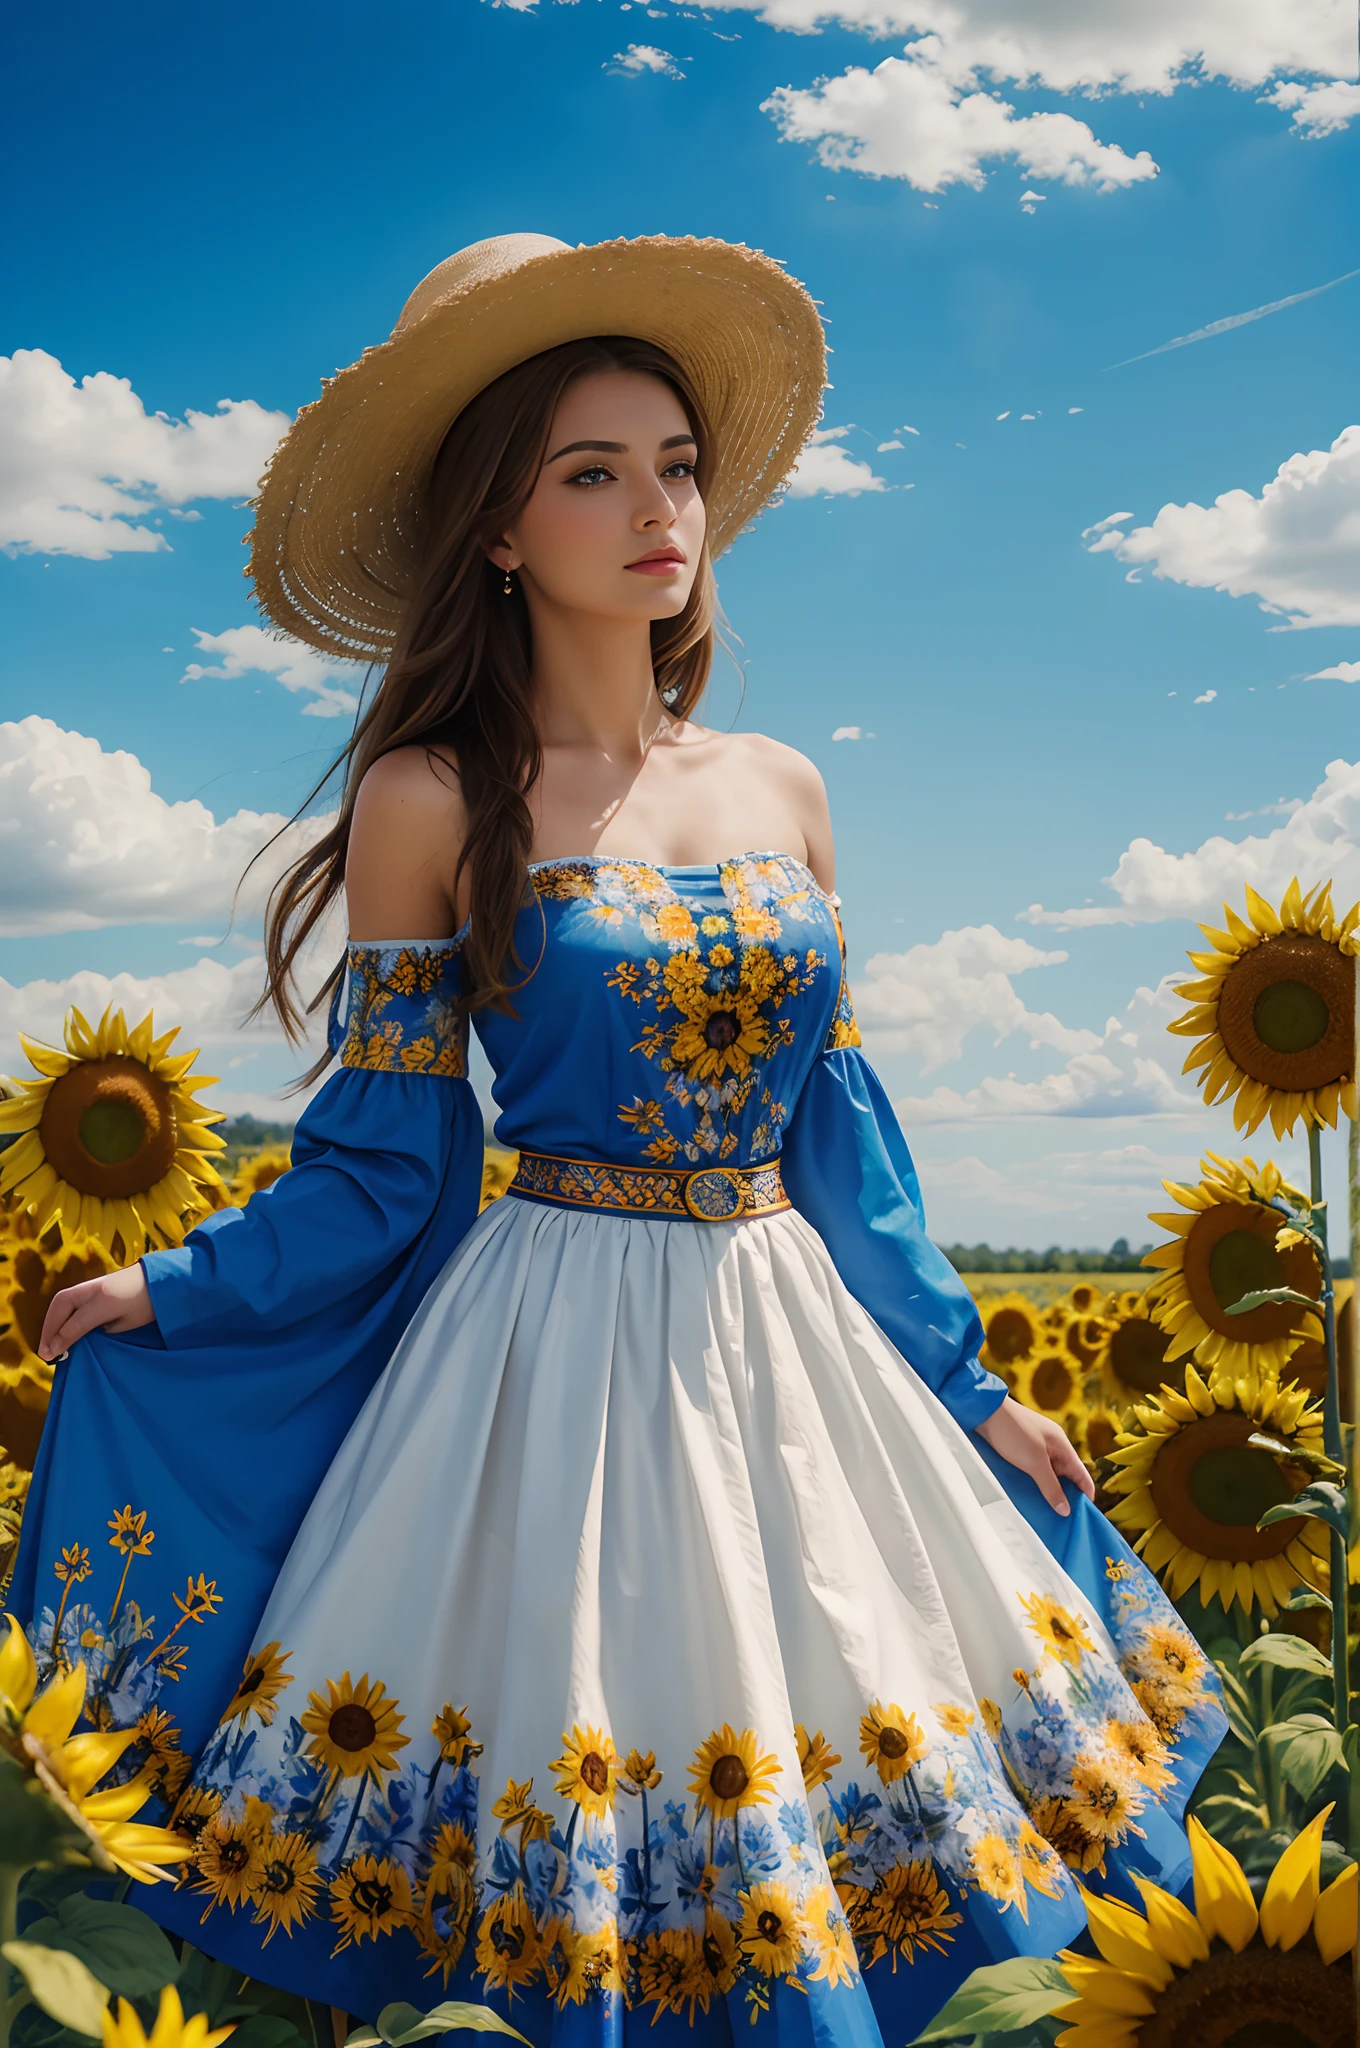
647,1609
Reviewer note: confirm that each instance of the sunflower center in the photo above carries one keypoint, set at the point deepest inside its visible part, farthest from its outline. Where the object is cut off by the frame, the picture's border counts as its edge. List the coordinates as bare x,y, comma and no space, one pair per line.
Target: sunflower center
1230,1251
279,1877
108,1127
729,1777
234,1854
594,1772
1286,1012
1290,1016
1260,1998
1051,1384
721,1031
252,1682
1101,1436
892,1743
37,1286
372,1897
1138,1355
770,1926
1209,1486
352,1727
1010,1334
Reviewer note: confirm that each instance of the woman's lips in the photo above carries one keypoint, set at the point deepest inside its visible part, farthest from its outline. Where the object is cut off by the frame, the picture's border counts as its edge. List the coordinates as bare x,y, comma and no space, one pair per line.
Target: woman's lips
667,565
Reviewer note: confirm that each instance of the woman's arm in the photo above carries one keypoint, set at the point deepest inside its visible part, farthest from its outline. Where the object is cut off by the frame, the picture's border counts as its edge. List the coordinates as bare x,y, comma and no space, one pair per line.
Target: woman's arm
404,841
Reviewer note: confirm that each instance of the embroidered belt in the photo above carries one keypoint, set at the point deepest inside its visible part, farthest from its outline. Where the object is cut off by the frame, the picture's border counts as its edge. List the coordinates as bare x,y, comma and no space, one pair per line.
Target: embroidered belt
706,1194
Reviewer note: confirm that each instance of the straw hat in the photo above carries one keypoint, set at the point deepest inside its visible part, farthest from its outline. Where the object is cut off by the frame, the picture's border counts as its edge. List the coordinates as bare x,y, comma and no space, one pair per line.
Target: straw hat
337,532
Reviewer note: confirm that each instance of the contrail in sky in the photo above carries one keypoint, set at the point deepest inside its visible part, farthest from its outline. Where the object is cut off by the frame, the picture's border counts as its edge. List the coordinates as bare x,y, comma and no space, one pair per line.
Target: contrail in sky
1234,320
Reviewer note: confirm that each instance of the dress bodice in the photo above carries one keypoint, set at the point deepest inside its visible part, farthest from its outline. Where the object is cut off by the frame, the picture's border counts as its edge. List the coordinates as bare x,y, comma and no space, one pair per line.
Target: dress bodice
668,1015
665,1014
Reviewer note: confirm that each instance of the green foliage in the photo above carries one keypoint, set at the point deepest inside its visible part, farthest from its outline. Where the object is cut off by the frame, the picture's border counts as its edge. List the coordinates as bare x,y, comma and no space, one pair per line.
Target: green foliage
66,1989
400,2024
127,1952
34,1829
981,1258
1320,1502
1002,2005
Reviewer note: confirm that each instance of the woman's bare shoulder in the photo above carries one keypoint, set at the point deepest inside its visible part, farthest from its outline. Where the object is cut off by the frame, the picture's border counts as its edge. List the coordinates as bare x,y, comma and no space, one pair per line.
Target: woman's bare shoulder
796,784
405,836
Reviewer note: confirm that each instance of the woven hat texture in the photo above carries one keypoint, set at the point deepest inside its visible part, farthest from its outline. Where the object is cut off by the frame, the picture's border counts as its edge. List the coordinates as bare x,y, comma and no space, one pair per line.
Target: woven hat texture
337,534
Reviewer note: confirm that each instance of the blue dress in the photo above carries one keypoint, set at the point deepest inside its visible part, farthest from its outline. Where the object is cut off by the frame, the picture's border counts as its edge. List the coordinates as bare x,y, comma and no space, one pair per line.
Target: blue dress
603,1606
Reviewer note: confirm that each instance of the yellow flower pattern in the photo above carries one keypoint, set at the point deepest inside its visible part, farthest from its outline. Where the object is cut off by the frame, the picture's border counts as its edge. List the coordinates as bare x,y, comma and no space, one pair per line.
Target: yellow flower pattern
403,1015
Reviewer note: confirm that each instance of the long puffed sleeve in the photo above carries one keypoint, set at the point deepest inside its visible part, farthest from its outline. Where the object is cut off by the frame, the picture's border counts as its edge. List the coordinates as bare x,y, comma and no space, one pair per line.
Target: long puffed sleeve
847,1169
217,1422
390,1145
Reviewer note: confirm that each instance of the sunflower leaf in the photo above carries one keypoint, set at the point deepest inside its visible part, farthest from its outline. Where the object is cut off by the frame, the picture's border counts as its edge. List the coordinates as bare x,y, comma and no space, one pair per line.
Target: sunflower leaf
999,1997
126,1951
61,1984
1306,1597
1296,1454
1305,1749
399,2024
1291,1653
1320,1502
1260,1296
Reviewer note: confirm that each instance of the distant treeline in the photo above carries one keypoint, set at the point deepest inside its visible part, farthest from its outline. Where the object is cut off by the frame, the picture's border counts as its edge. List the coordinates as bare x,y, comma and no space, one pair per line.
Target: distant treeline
980,1258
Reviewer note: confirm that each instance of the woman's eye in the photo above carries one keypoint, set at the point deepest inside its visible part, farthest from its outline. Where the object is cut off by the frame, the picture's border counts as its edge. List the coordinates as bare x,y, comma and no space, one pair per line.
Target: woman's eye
684,465
591,477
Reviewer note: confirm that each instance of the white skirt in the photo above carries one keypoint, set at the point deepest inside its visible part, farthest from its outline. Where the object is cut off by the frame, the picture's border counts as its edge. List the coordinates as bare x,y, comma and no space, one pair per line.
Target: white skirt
656,1627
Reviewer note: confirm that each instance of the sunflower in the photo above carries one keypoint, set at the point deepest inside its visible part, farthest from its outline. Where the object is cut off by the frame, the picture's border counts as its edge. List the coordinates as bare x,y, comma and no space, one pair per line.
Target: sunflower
891,1740
35,1729
110,1141
286,1883
1062,1633
589,1961
509,1945
1132,1359
827,1933
1047,1380
1274,1015
370,1896
29,1280
908,1909
1229,1971
354,1729
729,1772
452,1730
228,1859
639,1768
770,1929
817,1757
1085,1299
1224,1248
1011,1326
1307,1365
1193,1488
996,1871
170,2029
194,1810
671,1972
256,1170
1083,1338
955,1720
448,1898
723,1031
587,1769
1098,1430
263,1679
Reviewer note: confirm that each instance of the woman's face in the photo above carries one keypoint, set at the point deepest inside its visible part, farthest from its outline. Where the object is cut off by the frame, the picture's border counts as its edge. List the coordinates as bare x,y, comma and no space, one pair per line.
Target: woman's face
615,523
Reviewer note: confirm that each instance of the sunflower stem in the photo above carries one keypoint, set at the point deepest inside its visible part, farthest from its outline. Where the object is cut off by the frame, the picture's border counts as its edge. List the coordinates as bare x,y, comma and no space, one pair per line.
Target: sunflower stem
1334,1442
11,1996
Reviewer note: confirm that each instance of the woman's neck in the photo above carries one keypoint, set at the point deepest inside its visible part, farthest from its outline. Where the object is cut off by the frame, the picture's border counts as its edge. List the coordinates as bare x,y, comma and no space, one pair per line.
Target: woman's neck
594,686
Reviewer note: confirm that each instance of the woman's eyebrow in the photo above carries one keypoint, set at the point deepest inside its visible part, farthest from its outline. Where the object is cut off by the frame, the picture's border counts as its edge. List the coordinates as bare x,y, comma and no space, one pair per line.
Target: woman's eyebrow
617,447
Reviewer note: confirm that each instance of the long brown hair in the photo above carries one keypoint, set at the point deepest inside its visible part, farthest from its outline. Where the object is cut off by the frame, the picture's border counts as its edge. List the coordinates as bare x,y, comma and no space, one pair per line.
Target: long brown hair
459,674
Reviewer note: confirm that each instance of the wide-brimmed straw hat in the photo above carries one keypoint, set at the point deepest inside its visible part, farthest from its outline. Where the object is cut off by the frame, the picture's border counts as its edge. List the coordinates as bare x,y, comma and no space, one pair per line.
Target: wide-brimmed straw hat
338,526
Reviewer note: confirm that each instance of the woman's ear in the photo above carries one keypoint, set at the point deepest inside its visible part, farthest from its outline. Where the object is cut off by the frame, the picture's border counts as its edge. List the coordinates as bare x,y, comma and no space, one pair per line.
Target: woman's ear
501,555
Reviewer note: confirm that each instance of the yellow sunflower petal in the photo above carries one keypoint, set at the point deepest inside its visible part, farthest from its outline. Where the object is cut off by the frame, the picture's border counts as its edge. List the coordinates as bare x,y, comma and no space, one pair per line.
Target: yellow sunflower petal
1224,1905
1173,1927
18,1671
1291,1893
1334,1917
1123,1939
56,1710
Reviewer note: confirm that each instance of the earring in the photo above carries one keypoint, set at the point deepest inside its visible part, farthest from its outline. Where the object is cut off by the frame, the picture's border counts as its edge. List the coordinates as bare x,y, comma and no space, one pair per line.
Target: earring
507,586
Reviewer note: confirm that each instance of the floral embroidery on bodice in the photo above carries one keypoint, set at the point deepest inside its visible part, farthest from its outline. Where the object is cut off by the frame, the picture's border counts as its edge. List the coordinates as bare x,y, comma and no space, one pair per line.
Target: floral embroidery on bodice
667,1014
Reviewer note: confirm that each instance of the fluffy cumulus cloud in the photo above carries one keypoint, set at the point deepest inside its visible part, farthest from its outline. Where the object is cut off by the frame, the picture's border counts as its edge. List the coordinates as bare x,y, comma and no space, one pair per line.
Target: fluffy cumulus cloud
1296,547
642,58
85,468
251,650
87,842
827,470
933,116
1320,837
912,118
1122,1072
208,1001
925,1001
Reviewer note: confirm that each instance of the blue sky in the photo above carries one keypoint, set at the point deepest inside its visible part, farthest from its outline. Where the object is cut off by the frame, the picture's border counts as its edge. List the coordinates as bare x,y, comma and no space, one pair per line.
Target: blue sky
218,205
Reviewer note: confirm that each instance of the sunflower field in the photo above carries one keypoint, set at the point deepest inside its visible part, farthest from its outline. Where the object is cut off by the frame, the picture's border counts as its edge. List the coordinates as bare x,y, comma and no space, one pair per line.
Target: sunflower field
1214,1408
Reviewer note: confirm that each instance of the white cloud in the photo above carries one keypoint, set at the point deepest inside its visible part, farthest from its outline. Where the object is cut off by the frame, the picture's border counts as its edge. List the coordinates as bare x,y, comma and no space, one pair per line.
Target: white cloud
86,842
825,469
920,118
848,732
1339,672
1320,838
84,468
1119,1074
1318,110
1207,698
1296,547
1235,320
644,57
208,1001
884,446
251,650
926,1000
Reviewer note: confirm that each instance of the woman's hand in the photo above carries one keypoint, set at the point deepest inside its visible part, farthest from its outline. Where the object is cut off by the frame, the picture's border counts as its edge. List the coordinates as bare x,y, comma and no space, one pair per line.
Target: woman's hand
115,1301
1037,1445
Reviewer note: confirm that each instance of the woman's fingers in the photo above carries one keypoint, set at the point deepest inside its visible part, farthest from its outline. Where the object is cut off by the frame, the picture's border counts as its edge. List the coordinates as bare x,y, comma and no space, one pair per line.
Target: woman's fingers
114,1301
